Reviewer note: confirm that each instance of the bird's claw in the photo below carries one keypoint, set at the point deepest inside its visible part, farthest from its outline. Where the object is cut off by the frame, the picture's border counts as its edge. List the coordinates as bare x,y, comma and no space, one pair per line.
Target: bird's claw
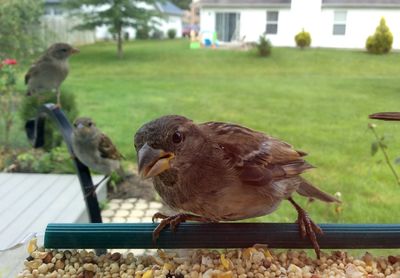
308,228
158,215
173,222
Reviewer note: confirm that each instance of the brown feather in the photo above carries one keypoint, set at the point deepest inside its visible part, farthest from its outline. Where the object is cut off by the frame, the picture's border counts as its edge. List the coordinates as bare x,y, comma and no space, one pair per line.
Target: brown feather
259,159
107,148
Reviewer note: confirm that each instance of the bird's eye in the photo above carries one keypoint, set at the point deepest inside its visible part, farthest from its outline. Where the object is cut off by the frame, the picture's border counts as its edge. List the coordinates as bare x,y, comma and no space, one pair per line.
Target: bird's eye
90,124
64,50
177,137
75,125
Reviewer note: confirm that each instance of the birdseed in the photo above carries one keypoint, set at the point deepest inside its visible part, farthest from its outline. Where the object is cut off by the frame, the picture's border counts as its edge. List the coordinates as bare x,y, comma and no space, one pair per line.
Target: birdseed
237,263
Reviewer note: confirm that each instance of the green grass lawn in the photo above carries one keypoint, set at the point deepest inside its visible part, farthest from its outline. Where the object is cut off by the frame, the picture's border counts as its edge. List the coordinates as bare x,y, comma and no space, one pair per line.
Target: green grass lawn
316,99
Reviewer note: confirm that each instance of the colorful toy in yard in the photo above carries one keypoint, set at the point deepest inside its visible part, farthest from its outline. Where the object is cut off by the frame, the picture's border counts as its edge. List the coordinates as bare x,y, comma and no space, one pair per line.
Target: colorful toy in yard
204,39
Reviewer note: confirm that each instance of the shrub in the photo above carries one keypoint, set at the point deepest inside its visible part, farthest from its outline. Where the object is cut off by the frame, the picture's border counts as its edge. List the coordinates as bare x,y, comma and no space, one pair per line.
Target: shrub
303,39
264,46
126,36
381,41
58,160
157,34
142,32
171,33
29,108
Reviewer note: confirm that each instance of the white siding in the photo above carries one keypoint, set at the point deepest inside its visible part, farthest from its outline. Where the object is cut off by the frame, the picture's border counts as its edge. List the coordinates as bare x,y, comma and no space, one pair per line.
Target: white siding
360,24
309,14
171,22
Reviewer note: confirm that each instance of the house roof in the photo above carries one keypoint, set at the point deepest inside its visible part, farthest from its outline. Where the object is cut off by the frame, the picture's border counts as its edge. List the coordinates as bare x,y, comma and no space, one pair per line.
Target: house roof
169,8
245,3
52,1
360,3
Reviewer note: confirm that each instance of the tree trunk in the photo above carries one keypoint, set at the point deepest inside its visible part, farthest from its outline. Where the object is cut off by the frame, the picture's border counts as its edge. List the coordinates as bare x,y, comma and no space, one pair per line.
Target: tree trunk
119,38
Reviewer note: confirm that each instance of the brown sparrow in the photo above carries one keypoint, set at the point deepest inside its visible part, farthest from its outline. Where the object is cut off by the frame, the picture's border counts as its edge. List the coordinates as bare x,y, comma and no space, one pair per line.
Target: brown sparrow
50,70
222,172
94,149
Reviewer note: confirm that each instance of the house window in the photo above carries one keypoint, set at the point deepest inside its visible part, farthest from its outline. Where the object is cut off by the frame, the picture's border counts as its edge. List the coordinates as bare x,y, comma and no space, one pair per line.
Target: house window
272,22
227,26
339,23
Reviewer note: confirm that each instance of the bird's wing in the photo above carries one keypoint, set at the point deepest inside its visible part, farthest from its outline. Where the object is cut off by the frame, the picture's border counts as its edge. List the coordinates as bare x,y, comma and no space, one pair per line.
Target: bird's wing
35,68
258,158
107,148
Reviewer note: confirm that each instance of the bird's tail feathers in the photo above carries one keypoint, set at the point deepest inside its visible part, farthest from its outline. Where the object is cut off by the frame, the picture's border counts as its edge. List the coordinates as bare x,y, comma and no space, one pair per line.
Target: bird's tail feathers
308,190
296,167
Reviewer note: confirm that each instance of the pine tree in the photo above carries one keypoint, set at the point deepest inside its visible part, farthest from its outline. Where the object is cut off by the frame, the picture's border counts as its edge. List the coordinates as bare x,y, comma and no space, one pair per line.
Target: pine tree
117,14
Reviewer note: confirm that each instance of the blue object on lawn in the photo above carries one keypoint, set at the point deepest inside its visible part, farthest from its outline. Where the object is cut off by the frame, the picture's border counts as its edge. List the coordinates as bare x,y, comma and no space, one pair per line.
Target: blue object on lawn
207,42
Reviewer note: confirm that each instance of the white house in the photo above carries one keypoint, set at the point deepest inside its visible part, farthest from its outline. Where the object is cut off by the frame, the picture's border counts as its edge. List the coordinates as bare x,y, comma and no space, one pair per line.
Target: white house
331,23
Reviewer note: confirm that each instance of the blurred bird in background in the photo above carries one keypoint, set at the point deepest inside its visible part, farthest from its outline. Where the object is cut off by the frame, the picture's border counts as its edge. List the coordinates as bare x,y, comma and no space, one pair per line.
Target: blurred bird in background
94,149
50,70
220,171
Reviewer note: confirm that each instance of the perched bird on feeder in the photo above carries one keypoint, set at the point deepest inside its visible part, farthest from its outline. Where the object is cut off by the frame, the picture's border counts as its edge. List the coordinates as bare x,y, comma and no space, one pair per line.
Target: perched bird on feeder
222,172
50,70
94,149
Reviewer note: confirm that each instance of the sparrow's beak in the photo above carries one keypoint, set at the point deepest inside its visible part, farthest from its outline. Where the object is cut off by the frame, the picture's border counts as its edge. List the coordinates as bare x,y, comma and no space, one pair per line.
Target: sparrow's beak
153,161
75,50
80,126
386,116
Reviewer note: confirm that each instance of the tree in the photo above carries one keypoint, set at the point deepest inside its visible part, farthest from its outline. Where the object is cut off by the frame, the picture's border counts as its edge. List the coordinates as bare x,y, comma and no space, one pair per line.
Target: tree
183,4
117,14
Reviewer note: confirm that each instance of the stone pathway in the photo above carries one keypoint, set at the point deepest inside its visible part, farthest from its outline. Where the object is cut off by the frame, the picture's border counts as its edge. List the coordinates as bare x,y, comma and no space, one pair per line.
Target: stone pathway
132,210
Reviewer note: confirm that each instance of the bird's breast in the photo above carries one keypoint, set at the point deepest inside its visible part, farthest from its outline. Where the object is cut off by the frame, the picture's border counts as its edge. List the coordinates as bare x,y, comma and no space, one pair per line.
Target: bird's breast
217,201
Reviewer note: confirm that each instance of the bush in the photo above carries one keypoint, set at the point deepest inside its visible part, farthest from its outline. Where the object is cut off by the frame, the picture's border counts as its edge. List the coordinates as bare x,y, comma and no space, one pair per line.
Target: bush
264,46
380,42
58,160
171,33
303,39
157,34
143,32
126,36
29,108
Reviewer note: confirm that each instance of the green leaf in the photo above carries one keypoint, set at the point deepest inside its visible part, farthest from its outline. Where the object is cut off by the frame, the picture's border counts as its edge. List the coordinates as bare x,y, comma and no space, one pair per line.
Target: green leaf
374,148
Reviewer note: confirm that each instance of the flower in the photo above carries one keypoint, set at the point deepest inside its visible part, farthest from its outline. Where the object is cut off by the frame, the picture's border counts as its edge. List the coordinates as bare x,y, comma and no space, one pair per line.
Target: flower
10,62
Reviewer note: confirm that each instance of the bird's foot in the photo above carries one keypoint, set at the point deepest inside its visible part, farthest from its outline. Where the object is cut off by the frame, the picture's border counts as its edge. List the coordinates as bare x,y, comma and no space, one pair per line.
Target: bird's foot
307,227
173,222
92,191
